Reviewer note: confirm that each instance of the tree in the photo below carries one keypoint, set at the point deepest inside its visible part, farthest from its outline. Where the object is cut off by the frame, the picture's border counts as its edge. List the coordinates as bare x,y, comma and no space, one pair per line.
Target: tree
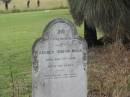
110,16
6,2
28,3
38,3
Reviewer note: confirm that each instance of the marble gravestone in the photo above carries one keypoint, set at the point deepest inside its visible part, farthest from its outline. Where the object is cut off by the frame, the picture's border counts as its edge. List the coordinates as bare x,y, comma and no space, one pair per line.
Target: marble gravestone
59,62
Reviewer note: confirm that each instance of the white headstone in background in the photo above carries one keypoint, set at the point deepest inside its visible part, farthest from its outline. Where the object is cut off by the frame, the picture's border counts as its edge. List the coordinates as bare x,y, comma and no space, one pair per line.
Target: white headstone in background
59,59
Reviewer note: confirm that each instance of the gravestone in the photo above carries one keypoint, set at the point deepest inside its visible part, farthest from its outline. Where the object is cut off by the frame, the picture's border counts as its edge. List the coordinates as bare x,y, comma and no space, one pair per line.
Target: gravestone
59,62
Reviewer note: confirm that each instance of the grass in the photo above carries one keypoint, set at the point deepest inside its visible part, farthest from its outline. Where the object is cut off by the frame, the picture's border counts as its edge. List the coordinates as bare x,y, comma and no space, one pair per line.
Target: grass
18,31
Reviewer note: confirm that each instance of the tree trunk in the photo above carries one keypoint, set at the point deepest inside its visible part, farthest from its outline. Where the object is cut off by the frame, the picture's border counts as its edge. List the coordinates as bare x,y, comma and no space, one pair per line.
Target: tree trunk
90,34
6,5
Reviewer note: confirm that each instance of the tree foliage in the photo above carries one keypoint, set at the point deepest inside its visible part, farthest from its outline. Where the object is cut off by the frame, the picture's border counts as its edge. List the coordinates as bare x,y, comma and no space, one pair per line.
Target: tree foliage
107,15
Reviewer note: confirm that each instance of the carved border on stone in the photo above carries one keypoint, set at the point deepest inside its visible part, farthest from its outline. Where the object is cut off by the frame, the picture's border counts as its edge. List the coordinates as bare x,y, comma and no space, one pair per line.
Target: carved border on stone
85,51
35,66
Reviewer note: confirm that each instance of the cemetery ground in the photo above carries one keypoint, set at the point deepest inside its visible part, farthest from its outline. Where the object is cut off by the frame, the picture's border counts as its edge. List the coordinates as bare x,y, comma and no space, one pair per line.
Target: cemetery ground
108,67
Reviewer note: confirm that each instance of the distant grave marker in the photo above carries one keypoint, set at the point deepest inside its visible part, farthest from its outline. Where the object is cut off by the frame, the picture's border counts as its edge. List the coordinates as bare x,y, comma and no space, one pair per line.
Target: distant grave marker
59,59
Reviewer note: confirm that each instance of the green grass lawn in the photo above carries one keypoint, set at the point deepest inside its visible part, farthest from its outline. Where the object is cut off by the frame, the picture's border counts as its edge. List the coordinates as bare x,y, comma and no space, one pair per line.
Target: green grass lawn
18,31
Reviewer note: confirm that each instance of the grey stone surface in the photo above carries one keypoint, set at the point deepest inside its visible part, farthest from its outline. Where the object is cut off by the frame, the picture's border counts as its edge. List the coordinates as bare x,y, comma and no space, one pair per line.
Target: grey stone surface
59,62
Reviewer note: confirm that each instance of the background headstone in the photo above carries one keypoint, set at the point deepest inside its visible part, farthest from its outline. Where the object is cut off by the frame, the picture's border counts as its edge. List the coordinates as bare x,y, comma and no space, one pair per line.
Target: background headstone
59,59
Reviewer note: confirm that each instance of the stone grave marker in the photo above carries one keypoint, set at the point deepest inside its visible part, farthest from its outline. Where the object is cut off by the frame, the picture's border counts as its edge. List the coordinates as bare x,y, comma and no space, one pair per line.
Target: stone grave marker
59,62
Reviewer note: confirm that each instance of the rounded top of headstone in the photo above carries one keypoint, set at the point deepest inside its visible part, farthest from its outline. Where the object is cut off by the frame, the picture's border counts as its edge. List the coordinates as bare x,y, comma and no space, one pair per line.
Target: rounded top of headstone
60,28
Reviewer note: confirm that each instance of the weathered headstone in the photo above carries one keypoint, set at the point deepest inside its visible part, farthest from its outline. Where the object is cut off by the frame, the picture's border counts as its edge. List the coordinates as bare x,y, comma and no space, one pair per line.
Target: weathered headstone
59,59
